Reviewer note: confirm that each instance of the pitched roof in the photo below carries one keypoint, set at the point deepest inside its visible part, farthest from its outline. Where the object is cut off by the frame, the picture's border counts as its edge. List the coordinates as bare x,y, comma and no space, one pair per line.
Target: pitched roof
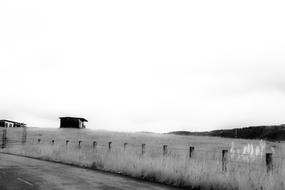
80,118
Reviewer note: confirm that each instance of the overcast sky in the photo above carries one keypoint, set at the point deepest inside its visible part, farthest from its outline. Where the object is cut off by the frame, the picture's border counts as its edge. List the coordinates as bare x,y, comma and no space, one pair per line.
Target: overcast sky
143,65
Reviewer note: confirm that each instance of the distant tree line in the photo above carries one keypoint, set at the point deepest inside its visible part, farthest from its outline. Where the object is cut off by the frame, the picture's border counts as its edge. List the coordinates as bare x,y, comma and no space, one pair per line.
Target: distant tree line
273,132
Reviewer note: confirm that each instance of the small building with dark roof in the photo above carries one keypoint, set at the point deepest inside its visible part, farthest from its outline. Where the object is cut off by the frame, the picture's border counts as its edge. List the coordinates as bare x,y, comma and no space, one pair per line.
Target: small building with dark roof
72,122
7,123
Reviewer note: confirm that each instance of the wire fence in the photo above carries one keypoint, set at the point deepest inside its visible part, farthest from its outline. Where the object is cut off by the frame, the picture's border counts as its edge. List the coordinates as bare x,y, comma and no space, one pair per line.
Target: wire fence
220,154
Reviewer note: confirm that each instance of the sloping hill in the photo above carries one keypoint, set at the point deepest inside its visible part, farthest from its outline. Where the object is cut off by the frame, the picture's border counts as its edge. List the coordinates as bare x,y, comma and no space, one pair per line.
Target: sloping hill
273,132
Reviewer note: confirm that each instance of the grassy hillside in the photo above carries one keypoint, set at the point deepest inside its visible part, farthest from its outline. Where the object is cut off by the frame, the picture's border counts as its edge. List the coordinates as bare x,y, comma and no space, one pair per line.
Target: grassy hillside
273,133
246,168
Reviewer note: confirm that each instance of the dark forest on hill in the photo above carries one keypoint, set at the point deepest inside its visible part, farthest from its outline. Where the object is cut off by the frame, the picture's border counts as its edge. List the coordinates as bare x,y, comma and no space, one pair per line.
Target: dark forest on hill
273,133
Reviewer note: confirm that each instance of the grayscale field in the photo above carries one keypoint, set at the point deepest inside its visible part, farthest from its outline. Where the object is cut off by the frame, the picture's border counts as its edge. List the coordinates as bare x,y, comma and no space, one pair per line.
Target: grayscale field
214,163
30,174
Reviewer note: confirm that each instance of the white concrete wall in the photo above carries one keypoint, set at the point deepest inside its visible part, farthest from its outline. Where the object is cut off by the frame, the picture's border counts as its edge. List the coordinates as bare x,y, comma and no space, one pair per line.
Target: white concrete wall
8,124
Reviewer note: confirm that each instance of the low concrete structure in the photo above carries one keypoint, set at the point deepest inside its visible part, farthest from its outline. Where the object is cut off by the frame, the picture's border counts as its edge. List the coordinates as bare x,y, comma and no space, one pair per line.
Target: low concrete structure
8,123
72,122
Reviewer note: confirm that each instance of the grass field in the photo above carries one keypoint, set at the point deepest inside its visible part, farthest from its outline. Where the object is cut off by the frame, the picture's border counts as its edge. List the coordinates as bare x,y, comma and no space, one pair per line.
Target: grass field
245,161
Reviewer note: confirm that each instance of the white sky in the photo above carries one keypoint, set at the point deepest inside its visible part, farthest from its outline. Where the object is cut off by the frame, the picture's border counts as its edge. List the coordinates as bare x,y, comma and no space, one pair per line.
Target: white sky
143,65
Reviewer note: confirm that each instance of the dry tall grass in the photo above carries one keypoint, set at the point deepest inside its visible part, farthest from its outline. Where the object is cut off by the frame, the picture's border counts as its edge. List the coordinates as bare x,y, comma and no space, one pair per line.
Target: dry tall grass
203,170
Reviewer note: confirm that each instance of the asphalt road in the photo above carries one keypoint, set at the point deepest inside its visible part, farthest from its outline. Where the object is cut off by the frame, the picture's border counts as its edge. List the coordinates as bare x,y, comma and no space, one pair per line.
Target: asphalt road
20,173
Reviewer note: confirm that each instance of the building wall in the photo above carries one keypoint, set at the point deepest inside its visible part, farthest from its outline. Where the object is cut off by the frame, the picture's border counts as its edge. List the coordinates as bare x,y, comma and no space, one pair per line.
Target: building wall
2,124
81,124
70,123
6,124
9,124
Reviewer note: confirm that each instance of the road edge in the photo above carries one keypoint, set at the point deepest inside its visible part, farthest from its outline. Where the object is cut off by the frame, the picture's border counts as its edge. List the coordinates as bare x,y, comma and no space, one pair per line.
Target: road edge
119,174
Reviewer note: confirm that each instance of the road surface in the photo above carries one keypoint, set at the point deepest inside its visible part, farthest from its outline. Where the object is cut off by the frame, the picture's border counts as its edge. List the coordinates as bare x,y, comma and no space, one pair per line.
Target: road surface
20,173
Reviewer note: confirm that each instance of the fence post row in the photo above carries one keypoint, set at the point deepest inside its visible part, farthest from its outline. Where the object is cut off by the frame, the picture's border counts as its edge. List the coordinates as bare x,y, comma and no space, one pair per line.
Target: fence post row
109,146
164,148
269,162
191,151
143,149
224,160
268,156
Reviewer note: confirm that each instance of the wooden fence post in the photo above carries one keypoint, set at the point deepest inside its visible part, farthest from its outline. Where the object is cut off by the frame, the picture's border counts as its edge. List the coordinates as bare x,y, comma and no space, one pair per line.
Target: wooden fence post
125,146
224,160
24,135
164,148
109,146
66,144
143,149
4,138
79,144
191,151
94,145
269,162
